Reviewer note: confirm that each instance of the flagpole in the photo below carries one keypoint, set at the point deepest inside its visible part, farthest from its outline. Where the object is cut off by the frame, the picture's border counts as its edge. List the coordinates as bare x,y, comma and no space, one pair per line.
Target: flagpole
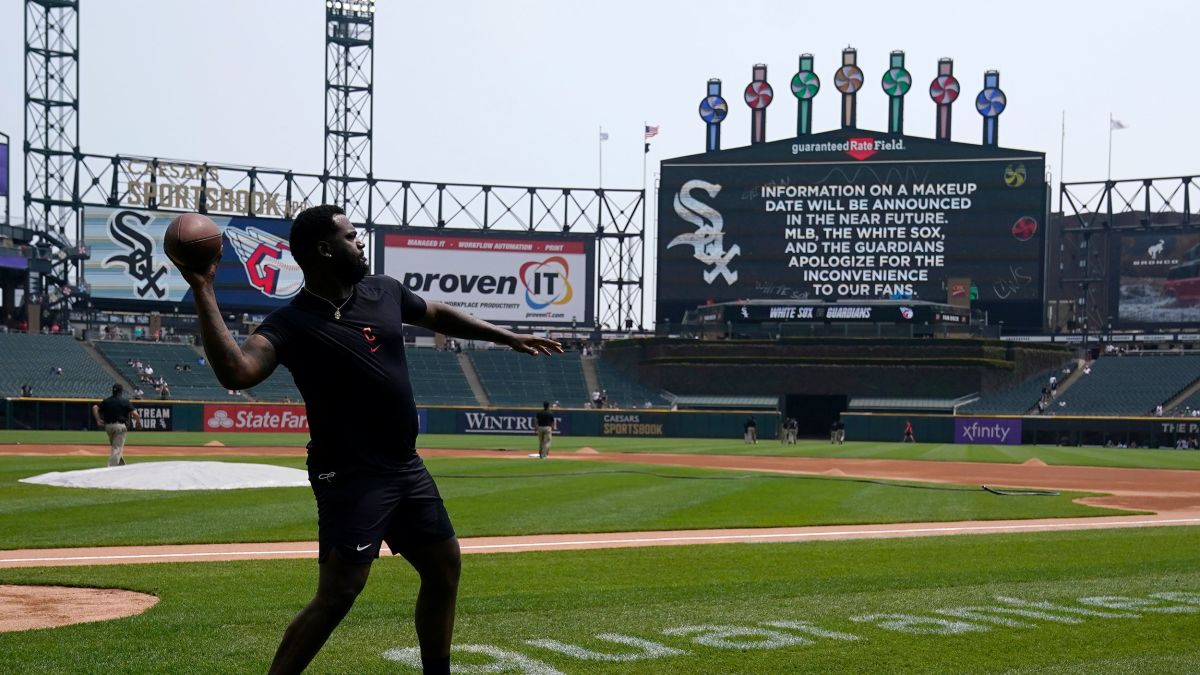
1110,130
644,153
1062,159
600,153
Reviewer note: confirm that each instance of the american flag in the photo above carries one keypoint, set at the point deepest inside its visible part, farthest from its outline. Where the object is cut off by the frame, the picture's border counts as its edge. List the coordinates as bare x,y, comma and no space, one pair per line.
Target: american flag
651,132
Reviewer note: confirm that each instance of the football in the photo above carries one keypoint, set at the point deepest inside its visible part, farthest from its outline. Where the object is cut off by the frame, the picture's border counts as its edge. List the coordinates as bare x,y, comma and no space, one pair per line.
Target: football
192,241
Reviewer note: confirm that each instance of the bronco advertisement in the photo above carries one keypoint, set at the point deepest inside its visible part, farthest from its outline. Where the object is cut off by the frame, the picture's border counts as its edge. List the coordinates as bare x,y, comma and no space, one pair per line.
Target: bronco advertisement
501,278
1159,277
127,261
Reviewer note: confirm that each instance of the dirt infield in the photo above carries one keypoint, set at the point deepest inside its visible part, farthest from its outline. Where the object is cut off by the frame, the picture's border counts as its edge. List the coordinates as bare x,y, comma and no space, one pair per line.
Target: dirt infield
30,607
1172,495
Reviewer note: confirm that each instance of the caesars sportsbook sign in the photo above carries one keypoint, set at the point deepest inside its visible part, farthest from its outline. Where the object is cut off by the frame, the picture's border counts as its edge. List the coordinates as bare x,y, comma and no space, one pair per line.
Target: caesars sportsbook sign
506,279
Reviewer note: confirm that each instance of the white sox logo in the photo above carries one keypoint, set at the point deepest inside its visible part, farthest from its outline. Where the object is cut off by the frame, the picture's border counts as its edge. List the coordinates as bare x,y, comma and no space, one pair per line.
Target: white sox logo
128,229
709,238
268,261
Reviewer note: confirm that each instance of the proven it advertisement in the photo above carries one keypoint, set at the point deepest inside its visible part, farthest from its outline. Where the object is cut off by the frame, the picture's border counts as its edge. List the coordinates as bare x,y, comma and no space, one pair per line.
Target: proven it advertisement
504,279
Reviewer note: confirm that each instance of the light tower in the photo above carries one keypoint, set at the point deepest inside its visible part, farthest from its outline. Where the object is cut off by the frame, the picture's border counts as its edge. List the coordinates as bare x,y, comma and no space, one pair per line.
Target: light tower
349,106
52,130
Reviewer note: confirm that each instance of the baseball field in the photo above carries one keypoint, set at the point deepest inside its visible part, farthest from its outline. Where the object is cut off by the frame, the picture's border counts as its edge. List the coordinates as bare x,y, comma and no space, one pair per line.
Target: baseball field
864,557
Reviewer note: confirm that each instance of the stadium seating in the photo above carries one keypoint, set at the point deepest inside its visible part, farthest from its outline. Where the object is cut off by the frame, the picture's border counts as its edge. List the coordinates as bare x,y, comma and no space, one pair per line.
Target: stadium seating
1014,401
278,388
28,359
512,378
624,391
1128,385
438,379
200,384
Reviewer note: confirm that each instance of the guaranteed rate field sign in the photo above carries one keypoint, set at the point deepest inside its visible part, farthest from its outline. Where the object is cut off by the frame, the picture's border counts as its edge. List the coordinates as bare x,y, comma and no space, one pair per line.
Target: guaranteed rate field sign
851,215
505,279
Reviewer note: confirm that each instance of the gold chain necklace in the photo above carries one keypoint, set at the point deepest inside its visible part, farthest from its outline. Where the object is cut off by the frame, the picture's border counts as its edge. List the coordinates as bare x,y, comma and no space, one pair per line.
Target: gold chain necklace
337,309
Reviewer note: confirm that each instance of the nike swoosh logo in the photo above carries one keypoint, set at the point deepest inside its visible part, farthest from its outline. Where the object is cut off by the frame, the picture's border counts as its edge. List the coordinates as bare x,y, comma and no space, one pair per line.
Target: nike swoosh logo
375,348
363,547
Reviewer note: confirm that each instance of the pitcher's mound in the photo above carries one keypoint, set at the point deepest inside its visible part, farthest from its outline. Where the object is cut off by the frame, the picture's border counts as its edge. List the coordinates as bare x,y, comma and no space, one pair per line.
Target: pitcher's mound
1033,461
214,444
30,607
176,476
587,451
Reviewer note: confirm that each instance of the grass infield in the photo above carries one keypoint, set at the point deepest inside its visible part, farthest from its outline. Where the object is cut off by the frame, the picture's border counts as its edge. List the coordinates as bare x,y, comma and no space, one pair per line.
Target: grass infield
1010,454
495,497
846,607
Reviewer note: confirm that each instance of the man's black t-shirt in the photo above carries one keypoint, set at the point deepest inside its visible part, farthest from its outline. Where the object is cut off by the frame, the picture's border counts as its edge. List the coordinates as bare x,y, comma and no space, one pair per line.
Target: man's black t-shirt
352,373
115,410
545,419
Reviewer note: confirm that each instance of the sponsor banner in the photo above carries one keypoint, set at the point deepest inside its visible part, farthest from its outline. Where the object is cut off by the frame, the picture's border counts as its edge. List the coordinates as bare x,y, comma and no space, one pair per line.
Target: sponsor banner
505,279
506,422
851,215
128,262
154,417
1159,278
633,424
880,313
219,417
987,431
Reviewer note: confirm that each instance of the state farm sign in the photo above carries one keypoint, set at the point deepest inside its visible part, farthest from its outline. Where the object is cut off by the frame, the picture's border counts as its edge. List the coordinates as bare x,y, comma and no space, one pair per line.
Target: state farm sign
255,418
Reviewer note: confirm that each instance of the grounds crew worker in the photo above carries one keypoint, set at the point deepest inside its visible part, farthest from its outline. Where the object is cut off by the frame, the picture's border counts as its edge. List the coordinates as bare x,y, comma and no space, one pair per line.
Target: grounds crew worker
113,413
545,430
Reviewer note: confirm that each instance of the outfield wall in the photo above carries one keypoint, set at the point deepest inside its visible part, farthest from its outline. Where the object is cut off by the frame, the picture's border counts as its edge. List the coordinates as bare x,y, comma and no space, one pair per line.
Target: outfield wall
1027,430
75,414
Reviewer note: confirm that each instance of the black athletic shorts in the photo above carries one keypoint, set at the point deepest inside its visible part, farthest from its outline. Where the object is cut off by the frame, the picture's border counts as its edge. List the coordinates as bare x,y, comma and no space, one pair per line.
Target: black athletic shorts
356,512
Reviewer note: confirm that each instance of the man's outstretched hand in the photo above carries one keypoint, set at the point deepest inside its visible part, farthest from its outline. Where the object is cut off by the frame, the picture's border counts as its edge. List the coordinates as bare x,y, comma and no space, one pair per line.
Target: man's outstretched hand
534,345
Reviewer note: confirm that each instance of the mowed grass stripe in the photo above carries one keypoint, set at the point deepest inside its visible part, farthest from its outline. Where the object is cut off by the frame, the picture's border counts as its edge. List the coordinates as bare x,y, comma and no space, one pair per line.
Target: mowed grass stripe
495,497
227,617
1149,458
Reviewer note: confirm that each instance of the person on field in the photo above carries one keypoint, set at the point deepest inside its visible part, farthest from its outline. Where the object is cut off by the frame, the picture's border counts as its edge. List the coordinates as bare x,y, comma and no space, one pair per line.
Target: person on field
908,432
545,430
113,415
750,430
343,333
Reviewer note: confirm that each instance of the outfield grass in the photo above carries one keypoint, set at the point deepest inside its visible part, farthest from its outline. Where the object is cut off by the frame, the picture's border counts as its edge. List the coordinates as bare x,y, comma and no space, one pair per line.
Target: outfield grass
1009,454
502,496
227,617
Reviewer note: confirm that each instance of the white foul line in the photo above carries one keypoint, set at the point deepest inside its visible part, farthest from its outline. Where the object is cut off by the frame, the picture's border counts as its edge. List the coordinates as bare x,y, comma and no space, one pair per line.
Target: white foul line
800,535
672,539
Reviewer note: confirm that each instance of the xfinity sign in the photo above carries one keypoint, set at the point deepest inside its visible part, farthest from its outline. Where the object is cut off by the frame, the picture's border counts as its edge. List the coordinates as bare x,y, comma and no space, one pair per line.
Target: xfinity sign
993,431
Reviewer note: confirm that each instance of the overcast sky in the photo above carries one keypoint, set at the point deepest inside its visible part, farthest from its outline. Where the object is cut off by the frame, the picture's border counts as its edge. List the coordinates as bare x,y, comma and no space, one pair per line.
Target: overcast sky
514,92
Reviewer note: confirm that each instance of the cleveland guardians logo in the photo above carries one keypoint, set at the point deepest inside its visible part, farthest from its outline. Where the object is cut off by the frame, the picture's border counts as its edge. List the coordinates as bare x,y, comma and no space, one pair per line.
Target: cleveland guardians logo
546,282
267,260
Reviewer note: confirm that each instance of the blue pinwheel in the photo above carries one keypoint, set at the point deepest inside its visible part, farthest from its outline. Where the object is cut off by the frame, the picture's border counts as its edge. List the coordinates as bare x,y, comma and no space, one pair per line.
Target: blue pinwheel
713,109
991,102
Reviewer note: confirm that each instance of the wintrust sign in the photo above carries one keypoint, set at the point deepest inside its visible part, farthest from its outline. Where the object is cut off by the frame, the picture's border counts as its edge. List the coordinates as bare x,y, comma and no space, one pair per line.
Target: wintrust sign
265,418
